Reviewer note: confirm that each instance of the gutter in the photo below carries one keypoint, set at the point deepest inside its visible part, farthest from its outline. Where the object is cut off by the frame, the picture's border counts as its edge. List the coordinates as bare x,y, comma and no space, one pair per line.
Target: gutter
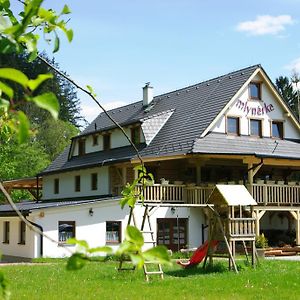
41,235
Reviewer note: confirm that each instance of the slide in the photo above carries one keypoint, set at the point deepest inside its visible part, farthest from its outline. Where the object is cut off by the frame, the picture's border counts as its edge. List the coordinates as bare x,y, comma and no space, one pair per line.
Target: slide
198,255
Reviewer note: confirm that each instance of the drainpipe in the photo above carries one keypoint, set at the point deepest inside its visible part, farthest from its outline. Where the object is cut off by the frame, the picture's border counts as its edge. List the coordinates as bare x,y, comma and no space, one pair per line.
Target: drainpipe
41,235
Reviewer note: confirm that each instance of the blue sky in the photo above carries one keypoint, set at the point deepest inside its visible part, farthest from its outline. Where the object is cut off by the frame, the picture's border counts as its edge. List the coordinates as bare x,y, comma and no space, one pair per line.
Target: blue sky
120,45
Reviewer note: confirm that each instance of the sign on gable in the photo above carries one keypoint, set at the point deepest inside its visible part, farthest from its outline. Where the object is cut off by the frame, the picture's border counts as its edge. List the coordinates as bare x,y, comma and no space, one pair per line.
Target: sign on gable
254,109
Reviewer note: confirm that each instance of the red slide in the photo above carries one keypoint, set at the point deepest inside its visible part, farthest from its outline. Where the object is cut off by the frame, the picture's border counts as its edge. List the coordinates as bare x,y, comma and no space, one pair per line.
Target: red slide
198,255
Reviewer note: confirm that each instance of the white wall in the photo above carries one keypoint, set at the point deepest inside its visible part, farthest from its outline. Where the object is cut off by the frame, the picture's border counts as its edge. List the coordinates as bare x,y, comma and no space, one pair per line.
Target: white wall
93,228
256,109
117,139
14,248
67,183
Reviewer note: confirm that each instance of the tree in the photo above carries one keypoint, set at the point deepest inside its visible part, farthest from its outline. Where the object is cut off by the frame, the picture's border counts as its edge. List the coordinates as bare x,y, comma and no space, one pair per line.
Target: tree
286,90
59,131
64,91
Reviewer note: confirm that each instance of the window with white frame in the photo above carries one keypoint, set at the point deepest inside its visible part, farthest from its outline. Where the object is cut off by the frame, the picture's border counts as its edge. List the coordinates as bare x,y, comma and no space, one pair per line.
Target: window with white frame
66,230
113,232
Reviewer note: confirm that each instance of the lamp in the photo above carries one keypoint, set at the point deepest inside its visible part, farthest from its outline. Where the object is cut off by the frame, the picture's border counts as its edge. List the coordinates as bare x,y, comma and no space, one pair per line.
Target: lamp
91,212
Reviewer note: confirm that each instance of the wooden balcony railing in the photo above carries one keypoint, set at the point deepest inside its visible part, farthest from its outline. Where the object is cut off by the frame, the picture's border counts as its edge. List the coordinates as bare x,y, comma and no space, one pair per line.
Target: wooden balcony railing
264,194
276,194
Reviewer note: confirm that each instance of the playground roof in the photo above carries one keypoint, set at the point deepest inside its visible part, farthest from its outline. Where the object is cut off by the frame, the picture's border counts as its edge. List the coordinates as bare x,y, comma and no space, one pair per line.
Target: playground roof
232,195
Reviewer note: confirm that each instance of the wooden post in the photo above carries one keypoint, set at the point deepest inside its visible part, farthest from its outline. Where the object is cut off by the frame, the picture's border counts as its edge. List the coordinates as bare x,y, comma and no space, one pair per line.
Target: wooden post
250,177
124,175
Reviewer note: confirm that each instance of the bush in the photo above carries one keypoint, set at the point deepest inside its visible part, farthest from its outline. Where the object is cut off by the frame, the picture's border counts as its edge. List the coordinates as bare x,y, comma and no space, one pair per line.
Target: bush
261,241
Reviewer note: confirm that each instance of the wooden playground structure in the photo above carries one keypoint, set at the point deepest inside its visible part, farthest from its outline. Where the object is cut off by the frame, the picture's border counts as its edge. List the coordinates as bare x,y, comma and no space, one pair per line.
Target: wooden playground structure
230,215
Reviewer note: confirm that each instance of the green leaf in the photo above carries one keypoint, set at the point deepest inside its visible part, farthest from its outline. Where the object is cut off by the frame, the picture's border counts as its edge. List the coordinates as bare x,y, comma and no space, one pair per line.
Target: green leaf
159,254
133,235
66,10
81,243
91,90
33,84
23,128
56,43
14,75
49,102
76,262
104,249
137,260
6,90
70,35
4,104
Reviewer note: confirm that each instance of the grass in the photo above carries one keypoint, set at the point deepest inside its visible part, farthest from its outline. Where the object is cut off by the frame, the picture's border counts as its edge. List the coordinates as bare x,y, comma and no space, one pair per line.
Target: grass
271,280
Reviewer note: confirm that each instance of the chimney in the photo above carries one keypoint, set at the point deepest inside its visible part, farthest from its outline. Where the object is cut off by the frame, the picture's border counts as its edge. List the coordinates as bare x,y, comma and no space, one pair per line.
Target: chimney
147,94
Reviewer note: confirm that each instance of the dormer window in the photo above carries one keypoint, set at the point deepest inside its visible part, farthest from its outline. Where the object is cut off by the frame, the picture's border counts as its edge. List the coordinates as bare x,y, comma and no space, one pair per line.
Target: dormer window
95,139
81,147
135,135
255,90
277,129
106,142
233,125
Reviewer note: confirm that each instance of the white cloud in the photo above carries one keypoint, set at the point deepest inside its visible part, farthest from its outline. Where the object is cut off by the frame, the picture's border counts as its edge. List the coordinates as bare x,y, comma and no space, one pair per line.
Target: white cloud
265,24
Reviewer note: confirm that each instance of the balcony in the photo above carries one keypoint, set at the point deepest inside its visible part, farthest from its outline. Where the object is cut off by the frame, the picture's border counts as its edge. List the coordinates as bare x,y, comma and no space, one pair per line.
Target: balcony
264,194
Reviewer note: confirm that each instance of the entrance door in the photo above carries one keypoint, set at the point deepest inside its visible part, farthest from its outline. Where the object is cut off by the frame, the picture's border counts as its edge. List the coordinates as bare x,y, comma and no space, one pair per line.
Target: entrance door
172,233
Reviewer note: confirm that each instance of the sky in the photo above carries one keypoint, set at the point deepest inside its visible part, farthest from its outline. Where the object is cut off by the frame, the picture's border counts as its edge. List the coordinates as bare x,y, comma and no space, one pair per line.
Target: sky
119,45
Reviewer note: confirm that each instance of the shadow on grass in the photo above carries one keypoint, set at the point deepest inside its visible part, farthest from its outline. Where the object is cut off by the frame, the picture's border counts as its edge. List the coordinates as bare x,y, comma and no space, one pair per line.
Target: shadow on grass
197,270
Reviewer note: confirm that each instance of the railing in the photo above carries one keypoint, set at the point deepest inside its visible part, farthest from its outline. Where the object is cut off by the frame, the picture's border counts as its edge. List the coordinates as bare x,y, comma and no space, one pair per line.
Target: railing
264,194
241,227
198,194
276,194
163,193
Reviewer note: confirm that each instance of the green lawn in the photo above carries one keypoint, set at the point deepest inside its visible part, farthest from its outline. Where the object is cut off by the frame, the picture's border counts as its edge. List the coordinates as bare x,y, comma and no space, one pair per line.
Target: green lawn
271,280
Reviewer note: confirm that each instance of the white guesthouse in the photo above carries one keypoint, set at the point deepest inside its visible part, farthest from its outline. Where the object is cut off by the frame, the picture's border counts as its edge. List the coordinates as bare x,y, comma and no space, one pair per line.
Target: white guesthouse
233,129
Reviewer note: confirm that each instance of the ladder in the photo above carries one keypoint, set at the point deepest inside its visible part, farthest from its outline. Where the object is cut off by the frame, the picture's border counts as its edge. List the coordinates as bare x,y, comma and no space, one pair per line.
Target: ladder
148,239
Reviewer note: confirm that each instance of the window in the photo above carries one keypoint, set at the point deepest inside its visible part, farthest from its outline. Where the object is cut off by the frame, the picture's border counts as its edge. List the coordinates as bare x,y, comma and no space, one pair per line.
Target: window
56,186
77,183
66,230
94,181
277,129
113,232
95,139
106,142
6,232
81,147
255,90
233,125
22,233
172,233
135,135
255,128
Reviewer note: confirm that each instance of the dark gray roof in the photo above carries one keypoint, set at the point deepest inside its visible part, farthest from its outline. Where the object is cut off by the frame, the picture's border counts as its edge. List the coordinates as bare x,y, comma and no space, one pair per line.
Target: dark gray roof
217,143
195,107
92,159
26,207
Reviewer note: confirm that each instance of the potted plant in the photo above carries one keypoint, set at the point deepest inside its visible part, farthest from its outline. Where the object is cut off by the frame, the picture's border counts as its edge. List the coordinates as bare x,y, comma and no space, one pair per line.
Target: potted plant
261,243
164,181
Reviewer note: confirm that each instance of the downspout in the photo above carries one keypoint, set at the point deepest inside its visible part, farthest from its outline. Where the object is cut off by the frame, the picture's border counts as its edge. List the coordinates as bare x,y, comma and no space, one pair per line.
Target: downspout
41,235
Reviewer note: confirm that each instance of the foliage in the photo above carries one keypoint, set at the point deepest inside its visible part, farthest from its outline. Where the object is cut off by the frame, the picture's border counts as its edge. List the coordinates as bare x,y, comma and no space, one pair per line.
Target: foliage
18,34
63,89
288,93
55,130
261,241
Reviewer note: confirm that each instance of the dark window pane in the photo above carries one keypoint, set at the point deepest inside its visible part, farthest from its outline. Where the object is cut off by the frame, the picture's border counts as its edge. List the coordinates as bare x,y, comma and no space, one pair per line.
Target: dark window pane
22,233
94,181
66,230
77,183
113,232
106,142
135,135
277,129
254,90
81,147
233,125
56,186
255,127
